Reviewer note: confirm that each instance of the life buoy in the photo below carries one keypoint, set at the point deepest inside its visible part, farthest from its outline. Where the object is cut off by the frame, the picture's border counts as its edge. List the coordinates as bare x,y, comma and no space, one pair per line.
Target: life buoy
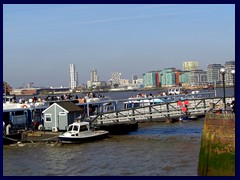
184,109
24,106
179,103
186,102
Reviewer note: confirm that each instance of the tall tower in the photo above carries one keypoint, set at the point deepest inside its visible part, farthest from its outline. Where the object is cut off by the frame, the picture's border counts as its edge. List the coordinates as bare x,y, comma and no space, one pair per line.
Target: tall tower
93,75
73,76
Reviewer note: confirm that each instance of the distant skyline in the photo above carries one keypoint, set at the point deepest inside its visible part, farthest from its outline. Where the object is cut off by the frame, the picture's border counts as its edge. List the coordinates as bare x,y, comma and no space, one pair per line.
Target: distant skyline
41,40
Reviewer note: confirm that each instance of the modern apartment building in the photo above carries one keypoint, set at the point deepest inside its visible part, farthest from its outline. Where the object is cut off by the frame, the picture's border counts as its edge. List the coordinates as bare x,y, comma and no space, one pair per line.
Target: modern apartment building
184,78
198,77
168,77
229,65
149,79
93,76
213,73
73,77
190,65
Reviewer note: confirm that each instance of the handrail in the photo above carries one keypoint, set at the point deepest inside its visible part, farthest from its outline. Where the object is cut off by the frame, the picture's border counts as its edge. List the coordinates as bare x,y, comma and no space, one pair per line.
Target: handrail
169,109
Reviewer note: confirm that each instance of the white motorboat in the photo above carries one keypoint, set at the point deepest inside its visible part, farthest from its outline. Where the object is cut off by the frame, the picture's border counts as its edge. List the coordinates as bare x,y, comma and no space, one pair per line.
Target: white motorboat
80,132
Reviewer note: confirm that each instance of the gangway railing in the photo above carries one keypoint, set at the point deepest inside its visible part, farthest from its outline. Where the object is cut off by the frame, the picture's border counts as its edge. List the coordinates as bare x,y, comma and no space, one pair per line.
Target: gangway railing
157,111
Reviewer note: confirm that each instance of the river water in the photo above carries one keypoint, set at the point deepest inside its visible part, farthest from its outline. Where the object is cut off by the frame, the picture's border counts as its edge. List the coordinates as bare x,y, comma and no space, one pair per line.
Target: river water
155,149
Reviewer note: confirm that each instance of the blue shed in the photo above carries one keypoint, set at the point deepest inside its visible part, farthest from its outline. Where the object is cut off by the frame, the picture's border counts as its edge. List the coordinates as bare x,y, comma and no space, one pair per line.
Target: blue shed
59,115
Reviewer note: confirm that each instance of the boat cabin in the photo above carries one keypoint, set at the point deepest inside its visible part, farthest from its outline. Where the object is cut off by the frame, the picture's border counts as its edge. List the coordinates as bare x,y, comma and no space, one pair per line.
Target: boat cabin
9,99
176,90
22,118
78,127
141,102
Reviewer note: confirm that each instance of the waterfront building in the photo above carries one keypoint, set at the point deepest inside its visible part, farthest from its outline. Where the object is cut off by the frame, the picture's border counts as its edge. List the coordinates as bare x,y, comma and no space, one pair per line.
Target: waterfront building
96,84
134,79
168,77
184,78
73,77
124,82
190,65
177,78
198,77
116,77
213,73
158,78
149,79
139,81
229,65
93,75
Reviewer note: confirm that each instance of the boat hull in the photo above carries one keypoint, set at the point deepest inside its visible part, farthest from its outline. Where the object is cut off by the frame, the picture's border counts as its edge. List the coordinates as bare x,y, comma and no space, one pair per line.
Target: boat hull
78,140
11,138
119,128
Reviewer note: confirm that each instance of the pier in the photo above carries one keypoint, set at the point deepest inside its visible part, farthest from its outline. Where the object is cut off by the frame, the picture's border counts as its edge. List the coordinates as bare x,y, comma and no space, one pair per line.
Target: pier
116,116
161,112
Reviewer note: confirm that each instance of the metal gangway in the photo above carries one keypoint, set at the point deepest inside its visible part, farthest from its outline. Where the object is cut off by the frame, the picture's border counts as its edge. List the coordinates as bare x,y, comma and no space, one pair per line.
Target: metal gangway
158,112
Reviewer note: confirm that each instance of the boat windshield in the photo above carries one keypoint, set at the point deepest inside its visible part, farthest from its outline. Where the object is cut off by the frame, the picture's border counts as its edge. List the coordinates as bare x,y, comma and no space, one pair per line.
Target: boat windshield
73,127
70,128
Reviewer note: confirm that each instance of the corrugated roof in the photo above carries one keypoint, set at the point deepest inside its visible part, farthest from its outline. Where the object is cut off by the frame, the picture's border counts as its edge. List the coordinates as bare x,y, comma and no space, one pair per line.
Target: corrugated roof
69,106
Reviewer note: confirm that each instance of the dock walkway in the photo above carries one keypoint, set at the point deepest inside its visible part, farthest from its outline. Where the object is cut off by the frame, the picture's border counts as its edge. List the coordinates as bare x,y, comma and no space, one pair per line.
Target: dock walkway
157,112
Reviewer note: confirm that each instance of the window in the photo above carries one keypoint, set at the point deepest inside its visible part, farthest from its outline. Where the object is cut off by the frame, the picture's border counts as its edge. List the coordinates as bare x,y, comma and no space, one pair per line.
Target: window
62,114
48,117
70,128
75,128
83,128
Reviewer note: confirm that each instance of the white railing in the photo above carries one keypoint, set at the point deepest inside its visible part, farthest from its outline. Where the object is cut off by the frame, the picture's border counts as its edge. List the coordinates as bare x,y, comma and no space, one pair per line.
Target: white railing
157,111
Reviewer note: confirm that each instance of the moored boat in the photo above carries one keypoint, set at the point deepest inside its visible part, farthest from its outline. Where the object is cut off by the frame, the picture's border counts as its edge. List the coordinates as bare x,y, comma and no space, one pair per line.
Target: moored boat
11,138
79,132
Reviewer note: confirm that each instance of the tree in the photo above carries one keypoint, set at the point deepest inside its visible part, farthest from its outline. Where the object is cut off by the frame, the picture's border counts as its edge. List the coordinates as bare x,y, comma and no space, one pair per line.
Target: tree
6,88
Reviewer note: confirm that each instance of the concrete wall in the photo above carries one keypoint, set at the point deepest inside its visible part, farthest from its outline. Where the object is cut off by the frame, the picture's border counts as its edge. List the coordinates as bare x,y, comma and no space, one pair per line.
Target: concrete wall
217,153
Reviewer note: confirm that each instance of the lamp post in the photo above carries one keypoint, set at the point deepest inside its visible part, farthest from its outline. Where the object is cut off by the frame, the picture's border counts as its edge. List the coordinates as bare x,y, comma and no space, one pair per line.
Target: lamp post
233,75
222,71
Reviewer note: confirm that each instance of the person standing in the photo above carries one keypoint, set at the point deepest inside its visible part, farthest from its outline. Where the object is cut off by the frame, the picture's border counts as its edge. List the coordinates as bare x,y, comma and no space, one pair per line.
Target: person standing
233,106
228,108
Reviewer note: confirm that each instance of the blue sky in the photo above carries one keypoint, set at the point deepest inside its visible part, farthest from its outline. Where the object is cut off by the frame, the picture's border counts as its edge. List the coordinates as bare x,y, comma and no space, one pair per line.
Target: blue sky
41,40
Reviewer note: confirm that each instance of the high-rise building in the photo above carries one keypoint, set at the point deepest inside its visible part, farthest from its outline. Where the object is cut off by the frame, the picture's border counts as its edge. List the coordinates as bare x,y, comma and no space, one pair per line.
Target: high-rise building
73,76
116,77
190,65
213,73
93,76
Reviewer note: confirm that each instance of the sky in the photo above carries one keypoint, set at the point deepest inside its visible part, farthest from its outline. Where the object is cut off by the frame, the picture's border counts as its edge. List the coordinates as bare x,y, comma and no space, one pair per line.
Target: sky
41,40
